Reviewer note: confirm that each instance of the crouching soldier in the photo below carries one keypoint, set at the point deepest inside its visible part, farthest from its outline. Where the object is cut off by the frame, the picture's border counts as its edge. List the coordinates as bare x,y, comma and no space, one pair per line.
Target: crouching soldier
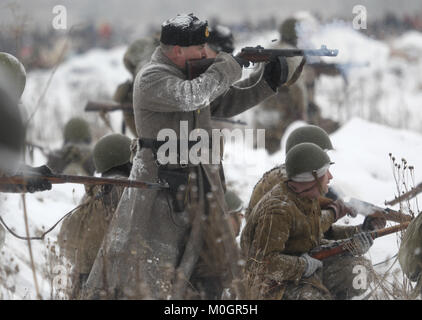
82,233
286,225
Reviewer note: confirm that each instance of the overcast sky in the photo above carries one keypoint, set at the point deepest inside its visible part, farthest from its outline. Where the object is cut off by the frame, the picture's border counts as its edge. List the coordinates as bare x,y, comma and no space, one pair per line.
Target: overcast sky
142,13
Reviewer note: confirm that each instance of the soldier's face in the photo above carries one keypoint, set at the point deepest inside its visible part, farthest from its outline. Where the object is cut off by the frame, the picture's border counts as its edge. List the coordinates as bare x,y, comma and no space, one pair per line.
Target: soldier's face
211,54
325,180
194,52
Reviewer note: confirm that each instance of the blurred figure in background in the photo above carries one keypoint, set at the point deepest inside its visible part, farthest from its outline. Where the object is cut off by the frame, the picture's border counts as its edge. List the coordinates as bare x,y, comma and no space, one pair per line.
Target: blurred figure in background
292,103
75,157
138,54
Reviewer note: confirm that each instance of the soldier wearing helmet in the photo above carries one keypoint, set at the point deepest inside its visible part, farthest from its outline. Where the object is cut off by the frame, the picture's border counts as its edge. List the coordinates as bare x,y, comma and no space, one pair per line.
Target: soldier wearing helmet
12,128
75,156
286,224
220,39
307,133
82,233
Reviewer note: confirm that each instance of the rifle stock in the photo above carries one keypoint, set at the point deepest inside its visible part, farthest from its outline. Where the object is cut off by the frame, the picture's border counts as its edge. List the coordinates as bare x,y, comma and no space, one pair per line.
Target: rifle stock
342,246
107,106
406,196
61,178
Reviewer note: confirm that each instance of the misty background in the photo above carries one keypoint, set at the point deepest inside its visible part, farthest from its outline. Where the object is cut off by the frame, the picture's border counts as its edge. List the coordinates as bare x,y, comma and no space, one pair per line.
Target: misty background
142,14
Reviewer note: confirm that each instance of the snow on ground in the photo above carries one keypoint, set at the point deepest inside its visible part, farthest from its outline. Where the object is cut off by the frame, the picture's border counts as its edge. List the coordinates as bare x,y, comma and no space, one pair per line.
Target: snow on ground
379,100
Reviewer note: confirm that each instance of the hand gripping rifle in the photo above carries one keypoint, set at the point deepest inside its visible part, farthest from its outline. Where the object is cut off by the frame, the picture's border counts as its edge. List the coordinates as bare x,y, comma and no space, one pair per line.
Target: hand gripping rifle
256,54
341,246
368,209
61,178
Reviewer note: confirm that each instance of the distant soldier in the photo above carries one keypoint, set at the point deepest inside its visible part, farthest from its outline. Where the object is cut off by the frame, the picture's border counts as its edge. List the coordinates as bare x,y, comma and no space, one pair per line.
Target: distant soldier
75,157
220,39
286,226
295,102
138,54
82,233
288,105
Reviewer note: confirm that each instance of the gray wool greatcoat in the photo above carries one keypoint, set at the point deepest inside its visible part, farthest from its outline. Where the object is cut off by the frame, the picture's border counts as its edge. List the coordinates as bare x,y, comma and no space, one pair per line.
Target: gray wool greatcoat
146,237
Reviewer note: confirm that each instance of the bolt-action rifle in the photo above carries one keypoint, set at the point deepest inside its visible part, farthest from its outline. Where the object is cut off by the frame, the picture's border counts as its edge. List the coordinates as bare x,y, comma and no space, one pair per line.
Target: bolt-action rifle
257,54
22,179
369,209
341,246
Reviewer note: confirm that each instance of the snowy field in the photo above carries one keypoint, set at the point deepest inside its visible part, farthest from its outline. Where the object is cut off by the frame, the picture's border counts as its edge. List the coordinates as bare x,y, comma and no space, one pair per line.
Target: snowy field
378,109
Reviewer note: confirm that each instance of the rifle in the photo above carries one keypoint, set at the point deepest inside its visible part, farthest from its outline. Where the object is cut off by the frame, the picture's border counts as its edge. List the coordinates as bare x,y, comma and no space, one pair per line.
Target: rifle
406,196
106,106
369,209
61,178
196,67
343,245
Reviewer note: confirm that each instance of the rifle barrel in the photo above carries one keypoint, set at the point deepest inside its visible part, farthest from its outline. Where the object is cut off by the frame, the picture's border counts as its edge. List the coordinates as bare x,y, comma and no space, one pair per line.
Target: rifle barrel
60,178
406,196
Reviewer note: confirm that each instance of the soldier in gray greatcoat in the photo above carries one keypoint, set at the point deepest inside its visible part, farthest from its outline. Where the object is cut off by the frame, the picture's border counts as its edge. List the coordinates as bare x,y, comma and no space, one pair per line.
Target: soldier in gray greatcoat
147,239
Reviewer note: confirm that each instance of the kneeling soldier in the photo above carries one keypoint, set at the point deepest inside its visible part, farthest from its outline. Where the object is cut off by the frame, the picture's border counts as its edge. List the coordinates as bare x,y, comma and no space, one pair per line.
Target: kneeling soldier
82,233
286,225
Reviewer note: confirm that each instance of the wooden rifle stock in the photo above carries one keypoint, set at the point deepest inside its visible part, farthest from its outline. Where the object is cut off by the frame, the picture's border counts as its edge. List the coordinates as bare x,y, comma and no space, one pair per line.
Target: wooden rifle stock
61,178
342,246
107,106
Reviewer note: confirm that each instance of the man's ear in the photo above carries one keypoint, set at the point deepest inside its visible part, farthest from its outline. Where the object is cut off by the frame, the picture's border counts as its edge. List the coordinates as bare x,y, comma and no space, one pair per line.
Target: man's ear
177,51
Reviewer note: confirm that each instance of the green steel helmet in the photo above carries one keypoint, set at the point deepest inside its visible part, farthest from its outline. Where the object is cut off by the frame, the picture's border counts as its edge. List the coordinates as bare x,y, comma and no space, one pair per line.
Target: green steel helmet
221,39
305,159
138,53
12,132
309,133
77,130
12,75
288,31
233,201
111,151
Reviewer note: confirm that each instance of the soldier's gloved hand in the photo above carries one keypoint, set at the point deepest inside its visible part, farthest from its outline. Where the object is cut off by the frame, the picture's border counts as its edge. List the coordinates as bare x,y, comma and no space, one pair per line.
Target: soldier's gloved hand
374,222
38,184
312,265
340,209
276,72
242,62
360,244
